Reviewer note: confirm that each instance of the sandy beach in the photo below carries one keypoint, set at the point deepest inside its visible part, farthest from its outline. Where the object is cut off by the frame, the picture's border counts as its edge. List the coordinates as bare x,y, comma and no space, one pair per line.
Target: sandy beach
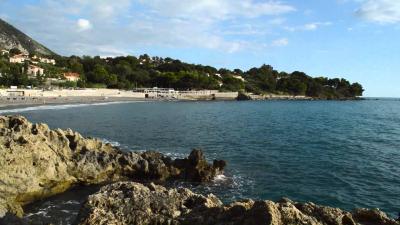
34,97
7,102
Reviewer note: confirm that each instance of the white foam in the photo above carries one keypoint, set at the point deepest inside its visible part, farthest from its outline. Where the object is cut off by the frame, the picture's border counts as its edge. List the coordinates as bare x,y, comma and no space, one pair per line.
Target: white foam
220,178
60,107
175,155
72,202
113,143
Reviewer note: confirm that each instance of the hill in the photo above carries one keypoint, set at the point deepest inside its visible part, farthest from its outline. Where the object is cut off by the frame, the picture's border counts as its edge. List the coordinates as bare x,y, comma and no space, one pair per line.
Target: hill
11,37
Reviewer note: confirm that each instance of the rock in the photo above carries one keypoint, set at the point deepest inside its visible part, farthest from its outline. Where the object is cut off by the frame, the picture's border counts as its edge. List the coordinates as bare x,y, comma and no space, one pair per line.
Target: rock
138,204
135,203
242,96
197,169
37,162
373,216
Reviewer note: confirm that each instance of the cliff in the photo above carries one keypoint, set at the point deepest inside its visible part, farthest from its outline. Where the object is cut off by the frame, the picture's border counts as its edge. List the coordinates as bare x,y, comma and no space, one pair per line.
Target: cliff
11,37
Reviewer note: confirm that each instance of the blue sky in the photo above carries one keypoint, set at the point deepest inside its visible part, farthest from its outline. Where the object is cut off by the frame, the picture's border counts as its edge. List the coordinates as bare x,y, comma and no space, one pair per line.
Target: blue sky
355,39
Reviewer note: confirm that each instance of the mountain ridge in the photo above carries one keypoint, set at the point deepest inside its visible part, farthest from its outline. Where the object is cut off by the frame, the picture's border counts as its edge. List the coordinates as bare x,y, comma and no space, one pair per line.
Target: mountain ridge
11,37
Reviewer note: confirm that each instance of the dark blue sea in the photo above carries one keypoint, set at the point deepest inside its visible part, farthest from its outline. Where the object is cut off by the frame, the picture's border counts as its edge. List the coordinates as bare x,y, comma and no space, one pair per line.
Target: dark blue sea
338,153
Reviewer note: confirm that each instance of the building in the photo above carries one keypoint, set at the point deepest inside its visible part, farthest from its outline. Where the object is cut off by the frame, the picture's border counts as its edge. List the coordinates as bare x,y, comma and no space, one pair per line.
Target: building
21,58
4,52
72,76
34,71
238,77
48,61
218,75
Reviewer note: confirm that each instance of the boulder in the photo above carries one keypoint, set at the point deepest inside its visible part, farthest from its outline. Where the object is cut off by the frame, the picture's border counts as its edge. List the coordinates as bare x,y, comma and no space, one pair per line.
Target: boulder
139,204
37,162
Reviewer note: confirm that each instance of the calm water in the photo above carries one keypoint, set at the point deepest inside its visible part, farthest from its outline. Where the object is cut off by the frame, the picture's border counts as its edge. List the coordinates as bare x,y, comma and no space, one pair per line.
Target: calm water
341,154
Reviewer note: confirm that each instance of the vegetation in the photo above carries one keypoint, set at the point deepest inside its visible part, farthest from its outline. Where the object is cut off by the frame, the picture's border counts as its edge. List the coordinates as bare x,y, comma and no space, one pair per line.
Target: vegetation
135,72
131,72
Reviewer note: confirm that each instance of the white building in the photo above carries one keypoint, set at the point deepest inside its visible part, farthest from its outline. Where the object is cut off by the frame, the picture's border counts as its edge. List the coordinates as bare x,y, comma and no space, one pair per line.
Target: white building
34,71
48,61
238,77
21,58
4,52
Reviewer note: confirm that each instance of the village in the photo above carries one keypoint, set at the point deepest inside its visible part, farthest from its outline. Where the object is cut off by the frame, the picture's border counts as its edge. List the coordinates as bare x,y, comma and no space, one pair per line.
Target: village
52,92
33,69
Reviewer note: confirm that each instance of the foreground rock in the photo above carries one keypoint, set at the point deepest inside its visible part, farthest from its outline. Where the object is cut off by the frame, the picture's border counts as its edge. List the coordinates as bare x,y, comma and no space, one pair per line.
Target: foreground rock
37,162
137,204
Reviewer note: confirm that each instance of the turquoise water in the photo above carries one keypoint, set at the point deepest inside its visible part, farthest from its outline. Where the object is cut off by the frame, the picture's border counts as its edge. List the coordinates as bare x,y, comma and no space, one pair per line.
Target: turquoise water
341,154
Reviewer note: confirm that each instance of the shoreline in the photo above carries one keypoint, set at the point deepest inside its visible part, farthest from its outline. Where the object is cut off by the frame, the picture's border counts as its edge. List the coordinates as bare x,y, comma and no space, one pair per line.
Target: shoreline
46,101
53,162
24,102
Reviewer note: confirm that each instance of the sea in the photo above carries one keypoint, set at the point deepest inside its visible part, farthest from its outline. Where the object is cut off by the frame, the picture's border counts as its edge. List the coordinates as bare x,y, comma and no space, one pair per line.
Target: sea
337,153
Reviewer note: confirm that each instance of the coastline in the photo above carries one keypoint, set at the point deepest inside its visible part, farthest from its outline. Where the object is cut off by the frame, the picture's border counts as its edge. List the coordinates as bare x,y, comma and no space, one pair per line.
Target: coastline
52,162
25,97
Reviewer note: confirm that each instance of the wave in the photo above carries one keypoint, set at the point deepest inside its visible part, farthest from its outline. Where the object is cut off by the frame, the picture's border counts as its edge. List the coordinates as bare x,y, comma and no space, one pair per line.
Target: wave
60,107
113,143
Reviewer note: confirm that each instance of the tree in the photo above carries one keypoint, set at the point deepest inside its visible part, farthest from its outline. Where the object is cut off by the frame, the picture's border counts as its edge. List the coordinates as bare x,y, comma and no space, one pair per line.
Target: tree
356,90
232,84
111,80
98,75
15,51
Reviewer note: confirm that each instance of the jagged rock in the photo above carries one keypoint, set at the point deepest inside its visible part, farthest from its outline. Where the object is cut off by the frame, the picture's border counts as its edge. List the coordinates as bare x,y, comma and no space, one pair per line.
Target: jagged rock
139,204
37,162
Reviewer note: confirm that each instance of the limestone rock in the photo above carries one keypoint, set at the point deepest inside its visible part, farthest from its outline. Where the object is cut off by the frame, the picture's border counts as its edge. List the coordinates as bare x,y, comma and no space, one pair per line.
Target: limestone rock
37,162
139,204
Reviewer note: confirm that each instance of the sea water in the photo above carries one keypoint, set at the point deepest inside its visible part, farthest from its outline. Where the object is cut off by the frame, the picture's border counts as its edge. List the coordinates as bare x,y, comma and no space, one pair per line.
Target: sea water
338,153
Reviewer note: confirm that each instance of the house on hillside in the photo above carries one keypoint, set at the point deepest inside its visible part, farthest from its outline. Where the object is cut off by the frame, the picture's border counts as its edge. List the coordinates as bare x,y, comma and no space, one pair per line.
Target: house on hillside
21,58
48,61
4,52
33,71
72,76
238,77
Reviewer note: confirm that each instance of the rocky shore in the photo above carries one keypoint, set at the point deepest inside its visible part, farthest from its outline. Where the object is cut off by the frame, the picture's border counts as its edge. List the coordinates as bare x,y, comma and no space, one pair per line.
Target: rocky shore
37,162
141,204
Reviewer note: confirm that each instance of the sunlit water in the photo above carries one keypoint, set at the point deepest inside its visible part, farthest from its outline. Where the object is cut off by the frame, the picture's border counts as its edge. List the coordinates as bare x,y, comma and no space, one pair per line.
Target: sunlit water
341,154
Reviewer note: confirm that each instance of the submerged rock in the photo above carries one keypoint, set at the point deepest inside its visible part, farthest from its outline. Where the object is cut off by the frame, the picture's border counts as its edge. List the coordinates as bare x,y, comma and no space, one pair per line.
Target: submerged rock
142,204
37,162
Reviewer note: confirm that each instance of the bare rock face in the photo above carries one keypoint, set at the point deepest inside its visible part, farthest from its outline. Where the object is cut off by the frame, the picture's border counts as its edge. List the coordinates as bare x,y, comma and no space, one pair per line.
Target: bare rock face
139,204
37,162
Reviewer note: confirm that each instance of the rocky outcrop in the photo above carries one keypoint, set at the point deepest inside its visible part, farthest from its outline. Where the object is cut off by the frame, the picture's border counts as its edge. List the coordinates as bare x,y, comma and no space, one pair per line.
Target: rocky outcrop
242,96
11,37
139,204
37,162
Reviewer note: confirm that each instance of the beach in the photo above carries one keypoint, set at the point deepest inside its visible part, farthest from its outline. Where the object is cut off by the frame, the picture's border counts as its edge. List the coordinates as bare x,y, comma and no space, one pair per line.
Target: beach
6,102
34,97
31,97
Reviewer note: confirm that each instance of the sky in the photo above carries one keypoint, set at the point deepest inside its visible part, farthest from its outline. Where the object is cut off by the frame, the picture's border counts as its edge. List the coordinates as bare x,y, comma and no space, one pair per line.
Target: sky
355,39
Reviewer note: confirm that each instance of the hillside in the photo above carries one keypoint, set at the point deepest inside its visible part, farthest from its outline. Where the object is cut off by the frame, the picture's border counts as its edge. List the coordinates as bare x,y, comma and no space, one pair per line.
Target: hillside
11,37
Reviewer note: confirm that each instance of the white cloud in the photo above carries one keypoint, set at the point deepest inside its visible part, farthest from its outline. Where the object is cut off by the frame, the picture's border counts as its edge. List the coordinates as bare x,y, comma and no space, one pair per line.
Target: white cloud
280,42
380,11
309,26
222,9
84,24
134,25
